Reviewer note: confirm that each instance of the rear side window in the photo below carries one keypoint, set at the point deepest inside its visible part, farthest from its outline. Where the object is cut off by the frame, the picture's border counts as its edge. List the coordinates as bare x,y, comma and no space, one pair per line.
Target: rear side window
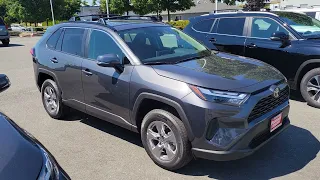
72,41
52,41
231,26
1,22
204,26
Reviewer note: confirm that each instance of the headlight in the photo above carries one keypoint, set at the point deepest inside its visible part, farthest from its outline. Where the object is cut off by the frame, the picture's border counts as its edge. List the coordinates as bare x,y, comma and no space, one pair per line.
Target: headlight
49,170
223,97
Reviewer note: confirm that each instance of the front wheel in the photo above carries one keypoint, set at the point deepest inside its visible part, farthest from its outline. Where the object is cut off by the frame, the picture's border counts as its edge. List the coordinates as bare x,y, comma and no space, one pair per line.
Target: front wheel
310,87
165,139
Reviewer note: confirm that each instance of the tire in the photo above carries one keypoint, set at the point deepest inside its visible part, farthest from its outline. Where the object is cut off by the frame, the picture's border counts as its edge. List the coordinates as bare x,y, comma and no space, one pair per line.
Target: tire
61,110
173,125
5,42
311,93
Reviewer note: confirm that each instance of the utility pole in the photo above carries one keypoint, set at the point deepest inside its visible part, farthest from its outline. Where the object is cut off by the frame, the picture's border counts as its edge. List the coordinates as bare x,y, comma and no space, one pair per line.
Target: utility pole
107,5
52,12
216,3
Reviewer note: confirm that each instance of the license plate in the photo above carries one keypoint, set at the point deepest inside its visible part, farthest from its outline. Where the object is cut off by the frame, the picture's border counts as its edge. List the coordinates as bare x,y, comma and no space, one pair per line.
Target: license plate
276,122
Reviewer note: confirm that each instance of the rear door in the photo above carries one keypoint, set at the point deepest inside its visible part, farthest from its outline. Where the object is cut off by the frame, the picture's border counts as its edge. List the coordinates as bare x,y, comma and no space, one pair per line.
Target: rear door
66,61
3,29
228,35
200,31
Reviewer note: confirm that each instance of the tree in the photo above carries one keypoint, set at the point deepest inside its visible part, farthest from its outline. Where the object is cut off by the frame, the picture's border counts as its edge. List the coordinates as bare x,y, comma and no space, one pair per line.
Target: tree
94,2
254,5
143,7
103,7
68,9
120,6
84,3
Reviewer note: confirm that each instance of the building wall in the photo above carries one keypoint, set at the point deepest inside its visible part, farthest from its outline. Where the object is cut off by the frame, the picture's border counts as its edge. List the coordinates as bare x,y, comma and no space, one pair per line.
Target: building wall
182,16
285,3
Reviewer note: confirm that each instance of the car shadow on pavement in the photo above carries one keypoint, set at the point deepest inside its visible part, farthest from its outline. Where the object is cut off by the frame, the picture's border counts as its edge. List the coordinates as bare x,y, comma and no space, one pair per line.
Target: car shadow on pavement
296,96
289,152
10,45
112,129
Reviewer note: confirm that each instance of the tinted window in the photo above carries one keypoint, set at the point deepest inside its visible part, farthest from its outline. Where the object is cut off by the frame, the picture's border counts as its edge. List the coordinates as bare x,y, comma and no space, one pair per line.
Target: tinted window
204,26
1,21
100,44
72,41
265,27
52,41
231,26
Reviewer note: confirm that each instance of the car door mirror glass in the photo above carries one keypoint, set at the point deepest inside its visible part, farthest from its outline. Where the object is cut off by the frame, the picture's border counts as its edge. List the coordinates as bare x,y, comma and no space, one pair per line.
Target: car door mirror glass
279,36
4,82
108,60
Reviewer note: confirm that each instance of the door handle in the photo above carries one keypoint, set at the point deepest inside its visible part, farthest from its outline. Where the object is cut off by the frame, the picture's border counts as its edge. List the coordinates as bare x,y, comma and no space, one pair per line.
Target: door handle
212,40
54,60
252,45
87,72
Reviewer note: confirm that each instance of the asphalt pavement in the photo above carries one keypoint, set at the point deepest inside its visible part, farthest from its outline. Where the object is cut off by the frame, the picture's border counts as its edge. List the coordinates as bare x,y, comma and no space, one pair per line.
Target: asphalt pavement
92,149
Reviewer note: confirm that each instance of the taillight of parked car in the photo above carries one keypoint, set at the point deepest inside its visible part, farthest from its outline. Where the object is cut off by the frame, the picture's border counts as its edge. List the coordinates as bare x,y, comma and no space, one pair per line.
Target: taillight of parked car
7,27
33,52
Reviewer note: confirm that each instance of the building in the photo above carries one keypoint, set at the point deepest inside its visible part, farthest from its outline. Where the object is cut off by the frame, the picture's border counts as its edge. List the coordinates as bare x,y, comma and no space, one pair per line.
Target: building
201,7
298,3
88,10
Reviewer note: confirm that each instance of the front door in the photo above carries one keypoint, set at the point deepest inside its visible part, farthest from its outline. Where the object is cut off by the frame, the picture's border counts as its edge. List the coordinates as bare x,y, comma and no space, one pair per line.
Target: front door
228,35
260,46
106,89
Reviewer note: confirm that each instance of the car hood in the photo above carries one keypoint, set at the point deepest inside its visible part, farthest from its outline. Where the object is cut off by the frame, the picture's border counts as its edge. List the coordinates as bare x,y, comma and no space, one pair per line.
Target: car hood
20,158
224,72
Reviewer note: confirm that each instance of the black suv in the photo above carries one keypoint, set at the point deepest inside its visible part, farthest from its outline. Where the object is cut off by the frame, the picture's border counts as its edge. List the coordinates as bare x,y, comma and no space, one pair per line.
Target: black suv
286,40
4,34
153,79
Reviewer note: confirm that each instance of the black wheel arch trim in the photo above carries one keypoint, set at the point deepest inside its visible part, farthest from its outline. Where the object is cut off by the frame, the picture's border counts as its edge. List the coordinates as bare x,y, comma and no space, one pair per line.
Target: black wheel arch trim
165,100
304,64
50,73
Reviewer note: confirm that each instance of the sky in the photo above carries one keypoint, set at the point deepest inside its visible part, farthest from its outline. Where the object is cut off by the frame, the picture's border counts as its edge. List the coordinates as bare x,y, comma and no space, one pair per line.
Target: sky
89,2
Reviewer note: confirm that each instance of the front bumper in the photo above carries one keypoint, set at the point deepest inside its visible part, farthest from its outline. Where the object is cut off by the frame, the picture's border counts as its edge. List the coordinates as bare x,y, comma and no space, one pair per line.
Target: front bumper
252,139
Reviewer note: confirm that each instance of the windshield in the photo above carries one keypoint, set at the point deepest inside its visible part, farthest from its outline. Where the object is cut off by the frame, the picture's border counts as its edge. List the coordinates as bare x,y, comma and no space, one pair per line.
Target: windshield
305,25
162,45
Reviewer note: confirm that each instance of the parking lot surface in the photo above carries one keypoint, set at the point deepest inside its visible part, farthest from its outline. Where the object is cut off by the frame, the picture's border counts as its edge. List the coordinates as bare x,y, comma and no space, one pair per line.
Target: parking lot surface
89,148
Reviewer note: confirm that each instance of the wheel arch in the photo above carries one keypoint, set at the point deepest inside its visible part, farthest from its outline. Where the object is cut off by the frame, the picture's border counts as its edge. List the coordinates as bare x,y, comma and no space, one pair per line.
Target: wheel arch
154,97
303,69
43,75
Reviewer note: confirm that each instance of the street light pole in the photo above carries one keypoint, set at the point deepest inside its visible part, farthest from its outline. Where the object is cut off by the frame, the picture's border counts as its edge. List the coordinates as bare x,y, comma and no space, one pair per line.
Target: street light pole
216,3
52,12
107,5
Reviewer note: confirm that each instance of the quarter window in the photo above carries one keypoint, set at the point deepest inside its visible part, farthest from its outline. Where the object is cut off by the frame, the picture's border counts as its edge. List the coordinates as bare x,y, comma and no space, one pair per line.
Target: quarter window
72,41
101,44
231,26
265,27
204,26
52,41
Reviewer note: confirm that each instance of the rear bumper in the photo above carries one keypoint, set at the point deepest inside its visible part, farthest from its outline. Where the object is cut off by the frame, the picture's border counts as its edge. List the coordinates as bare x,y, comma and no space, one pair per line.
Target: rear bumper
256,142
5,37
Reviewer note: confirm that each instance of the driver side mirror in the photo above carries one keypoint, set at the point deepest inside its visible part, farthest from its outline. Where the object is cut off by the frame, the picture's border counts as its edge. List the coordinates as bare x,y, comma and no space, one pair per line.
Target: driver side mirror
4,82
280,36
108,60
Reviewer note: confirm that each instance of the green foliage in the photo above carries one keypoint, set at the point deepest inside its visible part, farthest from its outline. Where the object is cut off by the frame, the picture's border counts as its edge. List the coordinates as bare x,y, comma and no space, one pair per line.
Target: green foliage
296,17
94,2
103,7
68,9
179,24
143,7
119,6
84,3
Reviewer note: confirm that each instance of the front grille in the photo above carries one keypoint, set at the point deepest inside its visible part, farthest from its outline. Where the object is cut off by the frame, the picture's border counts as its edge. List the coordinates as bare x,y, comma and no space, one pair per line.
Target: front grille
269,103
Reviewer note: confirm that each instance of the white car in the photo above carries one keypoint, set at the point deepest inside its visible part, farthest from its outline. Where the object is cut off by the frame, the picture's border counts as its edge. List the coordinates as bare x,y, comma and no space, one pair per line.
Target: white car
18,28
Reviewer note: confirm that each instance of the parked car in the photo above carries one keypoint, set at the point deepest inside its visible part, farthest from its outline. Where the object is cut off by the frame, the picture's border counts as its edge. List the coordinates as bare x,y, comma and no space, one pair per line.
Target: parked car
4,34
185,100
22,156
286,40
18,28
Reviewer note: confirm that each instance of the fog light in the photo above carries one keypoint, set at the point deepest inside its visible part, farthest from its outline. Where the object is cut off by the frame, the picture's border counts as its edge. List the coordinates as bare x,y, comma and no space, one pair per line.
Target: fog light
225,136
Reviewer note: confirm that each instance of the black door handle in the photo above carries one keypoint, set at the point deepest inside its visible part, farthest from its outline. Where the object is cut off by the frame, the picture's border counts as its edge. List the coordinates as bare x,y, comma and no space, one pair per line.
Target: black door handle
212,40
54,60
87,72
252,45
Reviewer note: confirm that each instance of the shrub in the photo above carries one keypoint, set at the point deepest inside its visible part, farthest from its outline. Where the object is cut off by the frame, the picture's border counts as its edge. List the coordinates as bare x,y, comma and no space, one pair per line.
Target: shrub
181,24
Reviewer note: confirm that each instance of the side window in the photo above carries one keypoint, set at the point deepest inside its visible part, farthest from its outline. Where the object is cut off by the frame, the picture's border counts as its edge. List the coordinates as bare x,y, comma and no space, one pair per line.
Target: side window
59,43
204,26
100,44
231,26
72,41
52,41
265,27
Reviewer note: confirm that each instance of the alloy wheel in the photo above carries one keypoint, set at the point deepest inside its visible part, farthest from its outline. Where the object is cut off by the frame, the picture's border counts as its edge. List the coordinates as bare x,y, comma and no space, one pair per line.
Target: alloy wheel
313,88
50,99
162,141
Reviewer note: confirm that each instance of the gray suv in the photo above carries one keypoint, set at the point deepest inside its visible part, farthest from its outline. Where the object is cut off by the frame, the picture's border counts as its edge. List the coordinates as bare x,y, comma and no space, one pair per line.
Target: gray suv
185,100
4,34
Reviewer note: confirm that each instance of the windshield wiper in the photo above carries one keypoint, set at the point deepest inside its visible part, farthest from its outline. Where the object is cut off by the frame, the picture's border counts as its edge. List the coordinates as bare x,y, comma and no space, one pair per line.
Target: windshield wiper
189,59
156,63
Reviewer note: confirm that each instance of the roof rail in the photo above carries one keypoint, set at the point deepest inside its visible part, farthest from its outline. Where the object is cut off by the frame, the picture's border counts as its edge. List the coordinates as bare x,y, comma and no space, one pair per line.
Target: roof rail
99,17
227,10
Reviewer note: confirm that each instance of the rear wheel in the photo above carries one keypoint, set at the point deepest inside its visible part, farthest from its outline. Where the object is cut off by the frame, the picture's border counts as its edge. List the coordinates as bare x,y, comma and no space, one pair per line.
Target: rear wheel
52,101
164,138
6,42
310,87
